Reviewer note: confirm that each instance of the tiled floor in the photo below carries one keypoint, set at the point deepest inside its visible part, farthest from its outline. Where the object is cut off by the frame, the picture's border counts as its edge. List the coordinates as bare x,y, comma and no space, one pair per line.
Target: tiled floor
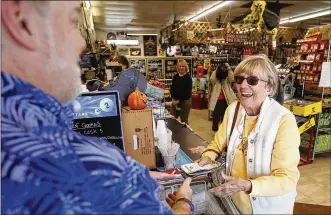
314,185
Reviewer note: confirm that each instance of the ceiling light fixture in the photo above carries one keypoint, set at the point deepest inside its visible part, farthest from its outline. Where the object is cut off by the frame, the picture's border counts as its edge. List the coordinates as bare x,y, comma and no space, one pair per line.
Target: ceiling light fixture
304,17
209,10
124,42
215,29
141,34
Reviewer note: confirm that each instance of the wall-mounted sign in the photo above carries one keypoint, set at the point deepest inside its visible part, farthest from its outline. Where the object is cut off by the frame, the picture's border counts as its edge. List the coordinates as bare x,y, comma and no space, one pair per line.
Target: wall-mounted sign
150,45
123,51
236,38
135,51
325,80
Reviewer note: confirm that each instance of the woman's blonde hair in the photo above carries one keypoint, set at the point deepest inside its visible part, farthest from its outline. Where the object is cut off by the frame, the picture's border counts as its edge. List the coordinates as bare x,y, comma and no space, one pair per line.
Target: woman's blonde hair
267,68
182,62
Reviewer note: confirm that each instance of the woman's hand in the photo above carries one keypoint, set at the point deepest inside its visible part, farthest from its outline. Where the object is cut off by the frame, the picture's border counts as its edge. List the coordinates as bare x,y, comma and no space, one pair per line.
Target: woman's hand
232,186
175,102
204,161
198,150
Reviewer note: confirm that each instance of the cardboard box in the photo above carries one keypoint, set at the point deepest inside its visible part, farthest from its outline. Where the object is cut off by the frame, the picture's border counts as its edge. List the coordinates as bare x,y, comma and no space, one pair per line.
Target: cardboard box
138,135
303,107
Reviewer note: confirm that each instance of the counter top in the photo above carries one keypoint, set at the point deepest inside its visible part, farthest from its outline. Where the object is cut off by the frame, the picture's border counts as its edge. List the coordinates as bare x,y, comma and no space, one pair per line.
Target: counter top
185,137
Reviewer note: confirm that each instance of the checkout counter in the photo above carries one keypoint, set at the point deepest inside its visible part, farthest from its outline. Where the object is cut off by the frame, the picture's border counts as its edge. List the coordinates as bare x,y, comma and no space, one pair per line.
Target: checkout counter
99,110
204,202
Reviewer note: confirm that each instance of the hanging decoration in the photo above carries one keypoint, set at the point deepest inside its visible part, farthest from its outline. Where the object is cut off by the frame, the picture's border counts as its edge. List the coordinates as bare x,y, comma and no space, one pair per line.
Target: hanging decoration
260,18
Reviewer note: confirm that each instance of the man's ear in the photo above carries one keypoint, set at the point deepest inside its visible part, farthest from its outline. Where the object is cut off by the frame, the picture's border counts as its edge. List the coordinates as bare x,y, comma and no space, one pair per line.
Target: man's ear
16,19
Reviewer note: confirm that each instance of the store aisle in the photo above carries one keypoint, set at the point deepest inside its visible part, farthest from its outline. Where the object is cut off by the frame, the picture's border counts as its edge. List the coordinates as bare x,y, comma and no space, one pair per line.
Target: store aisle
201,125
315,183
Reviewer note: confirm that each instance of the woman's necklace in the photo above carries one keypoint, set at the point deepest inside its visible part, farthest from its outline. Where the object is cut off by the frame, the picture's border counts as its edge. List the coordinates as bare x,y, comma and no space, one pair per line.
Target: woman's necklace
243,145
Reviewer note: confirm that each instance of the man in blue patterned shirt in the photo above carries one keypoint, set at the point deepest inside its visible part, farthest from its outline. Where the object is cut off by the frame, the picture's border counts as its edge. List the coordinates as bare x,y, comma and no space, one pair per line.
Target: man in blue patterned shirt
46,167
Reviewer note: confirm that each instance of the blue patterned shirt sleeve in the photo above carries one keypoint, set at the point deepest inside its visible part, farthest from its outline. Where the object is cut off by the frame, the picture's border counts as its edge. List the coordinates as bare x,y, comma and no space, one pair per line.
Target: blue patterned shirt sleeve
49,169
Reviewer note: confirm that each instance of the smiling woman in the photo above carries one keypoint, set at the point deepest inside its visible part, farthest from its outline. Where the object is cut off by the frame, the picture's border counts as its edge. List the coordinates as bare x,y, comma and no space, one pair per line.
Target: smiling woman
256,78
262,142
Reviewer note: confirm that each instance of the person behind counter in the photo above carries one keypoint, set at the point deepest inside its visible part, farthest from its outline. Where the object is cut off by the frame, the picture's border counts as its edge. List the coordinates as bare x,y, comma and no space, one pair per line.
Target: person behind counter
47,168
222,94
262,142
127,81
181,92
124,62
83,86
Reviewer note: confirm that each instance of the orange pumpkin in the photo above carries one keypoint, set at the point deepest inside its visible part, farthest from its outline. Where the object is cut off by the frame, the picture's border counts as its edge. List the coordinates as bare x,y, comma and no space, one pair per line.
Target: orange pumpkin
137,100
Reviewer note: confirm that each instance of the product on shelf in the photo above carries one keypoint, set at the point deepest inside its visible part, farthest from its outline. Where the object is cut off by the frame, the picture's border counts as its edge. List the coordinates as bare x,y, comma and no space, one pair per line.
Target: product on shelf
304,48
323,45
155,69
314,47
311,55
140,65
157,84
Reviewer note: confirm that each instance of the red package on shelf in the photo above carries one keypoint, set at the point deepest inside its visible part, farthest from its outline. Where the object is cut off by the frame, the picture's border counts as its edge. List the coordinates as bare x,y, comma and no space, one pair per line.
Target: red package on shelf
200,71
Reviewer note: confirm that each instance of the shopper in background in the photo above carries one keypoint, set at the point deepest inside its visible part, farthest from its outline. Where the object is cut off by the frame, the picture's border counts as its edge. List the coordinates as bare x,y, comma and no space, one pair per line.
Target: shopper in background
83,79
222,94
127,81
46,167
123,61
181,92
262,142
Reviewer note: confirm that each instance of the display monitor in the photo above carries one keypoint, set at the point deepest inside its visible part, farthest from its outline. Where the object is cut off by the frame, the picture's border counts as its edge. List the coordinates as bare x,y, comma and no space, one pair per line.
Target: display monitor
98,114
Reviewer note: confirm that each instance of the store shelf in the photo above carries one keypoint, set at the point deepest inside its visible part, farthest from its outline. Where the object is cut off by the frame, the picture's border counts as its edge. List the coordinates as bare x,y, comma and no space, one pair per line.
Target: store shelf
324,129
309,73
323,152
320,52
307,40
316,92
326,106
305,61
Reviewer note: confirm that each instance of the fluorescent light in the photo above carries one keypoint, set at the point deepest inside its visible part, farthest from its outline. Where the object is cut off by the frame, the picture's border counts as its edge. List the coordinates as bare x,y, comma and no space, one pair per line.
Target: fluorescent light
310,16
209,10
123,42
304,17
215,29
140,34
283,21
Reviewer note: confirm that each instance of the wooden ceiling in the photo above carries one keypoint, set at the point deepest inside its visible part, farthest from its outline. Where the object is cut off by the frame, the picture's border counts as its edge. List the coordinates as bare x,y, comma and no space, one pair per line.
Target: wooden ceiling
151,16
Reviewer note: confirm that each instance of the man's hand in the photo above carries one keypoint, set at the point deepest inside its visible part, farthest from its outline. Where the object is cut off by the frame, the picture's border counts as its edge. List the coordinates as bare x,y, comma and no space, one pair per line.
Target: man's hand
204,161
184,191
232,186
161,176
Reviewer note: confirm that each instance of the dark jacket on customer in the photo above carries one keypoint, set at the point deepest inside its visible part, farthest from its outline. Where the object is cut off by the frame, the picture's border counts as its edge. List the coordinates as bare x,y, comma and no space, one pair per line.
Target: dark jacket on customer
181,87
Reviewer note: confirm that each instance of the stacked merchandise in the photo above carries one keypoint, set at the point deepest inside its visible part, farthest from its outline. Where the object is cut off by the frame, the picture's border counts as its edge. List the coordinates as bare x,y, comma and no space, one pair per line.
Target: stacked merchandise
311,54
170,68
323,141
285,53
155,69
138,64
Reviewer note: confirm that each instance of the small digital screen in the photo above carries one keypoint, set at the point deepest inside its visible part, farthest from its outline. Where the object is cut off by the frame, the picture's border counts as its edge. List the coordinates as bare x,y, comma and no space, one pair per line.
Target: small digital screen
98,114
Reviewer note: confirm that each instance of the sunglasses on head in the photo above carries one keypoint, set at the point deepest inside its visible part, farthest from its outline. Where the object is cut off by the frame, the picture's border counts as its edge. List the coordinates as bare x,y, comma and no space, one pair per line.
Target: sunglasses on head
251,80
